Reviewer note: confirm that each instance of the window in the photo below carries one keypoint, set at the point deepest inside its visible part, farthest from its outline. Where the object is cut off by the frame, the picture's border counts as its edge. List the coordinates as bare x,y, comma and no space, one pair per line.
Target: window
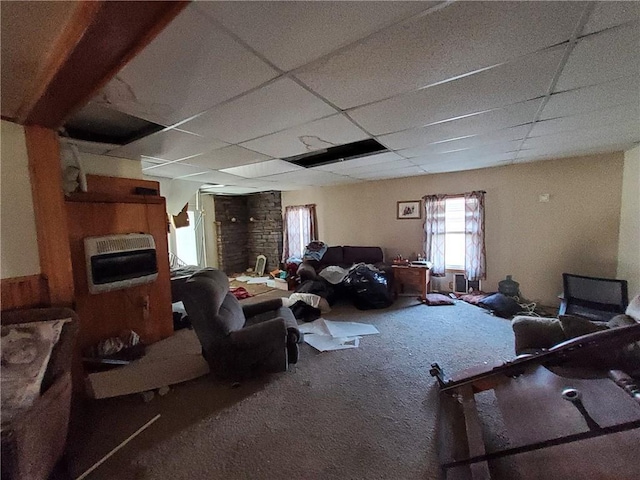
299,230
454,234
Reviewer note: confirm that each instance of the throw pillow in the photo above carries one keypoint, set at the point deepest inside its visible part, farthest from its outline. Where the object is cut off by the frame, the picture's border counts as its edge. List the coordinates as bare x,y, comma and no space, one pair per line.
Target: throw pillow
501,305
578,326
438,299
26,349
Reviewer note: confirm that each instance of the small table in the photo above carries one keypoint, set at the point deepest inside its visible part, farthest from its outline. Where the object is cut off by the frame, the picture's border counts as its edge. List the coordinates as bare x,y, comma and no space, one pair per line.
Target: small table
416,276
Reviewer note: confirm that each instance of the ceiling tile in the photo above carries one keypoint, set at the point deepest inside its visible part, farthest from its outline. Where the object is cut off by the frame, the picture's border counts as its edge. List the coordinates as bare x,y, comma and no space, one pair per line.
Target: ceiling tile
167,145
233,190
279,105
473,141
291,34
610,14
313,136
523,79
603,136
172,170
622,91
628,113
512,115
232,156
601,57
453,41
214,177
367,161
188,68
309,177
408,171
378,167
498,152
262,169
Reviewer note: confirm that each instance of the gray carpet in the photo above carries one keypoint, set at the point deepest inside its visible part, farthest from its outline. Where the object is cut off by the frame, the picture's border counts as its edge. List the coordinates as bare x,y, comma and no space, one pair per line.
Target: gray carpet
366,413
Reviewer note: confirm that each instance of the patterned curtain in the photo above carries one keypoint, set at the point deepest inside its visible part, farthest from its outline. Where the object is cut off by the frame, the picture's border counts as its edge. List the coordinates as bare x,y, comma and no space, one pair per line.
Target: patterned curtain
300,228
475,254
434,229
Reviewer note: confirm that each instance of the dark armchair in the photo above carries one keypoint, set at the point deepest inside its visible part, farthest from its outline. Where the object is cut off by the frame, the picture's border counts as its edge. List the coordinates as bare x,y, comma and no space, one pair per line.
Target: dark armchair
239,341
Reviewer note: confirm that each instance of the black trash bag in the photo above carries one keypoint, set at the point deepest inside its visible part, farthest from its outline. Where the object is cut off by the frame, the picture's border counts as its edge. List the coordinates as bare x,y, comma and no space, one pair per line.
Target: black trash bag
305,312
368,288
318,287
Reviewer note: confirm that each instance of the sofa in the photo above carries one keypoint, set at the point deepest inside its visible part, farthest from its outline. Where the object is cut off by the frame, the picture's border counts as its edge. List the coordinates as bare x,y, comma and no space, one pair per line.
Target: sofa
346,257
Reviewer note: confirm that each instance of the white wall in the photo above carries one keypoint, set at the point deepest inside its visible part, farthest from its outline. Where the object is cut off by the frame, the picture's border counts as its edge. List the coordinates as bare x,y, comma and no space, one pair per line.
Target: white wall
93,164
629,245
19,243
575,232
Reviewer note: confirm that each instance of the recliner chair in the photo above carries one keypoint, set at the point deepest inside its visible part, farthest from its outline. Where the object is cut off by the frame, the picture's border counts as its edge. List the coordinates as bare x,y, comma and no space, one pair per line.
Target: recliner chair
239,341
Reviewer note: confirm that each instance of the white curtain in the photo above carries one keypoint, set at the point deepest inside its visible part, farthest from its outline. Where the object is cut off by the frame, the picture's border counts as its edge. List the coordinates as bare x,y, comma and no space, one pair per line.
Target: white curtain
475,253
299,230
434,229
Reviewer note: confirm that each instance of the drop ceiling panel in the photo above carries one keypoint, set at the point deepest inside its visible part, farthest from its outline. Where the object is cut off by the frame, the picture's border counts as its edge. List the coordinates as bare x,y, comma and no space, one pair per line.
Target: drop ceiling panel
616,134
291,34
214,177
623,91
172,170
262,169
227,157
274,107
512,115
602,57
167,145
498,136
310,137
233,190
310,177
498,152
378,167
456,40
188,68
610,14
408,171
340,167
514,82
628,113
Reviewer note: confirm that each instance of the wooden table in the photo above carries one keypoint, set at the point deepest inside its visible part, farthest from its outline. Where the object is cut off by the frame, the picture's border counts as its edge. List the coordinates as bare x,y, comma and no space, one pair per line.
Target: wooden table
415,276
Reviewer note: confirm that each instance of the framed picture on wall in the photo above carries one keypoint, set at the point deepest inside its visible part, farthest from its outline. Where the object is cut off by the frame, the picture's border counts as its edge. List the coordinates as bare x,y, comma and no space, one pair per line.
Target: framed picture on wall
409,209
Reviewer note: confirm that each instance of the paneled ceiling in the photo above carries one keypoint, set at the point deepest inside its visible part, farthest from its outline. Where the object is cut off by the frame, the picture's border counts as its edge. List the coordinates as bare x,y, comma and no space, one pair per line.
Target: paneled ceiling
445,86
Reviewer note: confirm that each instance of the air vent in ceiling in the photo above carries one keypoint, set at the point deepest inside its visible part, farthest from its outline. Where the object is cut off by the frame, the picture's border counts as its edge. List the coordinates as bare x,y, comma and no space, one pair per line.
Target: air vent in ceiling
337,154
96,123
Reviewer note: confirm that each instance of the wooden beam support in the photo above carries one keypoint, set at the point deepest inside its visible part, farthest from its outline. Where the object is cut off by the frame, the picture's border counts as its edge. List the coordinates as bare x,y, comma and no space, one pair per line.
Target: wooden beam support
24,292
102,37
45,171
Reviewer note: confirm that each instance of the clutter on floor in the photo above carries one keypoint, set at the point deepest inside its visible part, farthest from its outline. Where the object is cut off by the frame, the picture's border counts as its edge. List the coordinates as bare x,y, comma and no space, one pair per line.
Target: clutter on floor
173,360
326,335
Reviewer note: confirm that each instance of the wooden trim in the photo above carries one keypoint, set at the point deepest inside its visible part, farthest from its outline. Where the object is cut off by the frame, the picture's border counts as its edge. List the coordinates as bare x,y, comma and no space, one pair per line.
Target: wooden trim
90,197
24,292
77,25
118,185
45,172
102,38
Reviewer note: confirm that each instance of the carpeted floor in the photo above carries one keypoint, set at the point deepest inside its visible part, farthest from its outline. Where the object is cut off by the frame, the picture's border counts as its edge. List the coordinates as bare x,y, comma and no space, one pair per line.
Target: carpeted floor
366,413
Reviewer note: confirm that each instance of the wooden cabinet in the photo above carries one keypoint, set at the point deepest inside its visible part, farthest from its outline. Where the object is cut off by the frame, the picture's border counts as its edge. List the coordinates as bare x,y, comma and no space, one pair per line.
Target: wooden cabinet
411,279
145,309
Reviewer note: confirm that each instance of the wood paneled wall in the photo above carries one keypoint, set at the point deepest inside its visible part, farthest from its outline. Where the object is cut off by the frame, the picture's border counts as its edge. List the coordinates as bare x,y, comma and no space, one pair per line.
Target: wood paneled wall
24,292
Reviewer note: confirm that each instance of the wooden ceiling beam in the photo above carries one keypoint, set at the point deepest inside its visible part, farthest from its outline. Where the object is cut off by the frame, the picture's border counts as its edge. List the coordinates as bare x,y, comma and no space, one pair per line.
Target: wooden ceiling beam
101,38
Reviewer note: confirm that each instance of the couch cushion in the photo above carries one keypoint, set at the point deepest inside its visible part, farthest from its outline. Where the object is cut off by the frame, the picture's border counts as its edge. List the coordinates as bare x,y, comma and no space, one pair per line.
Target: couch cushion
573,326
333,256
362,255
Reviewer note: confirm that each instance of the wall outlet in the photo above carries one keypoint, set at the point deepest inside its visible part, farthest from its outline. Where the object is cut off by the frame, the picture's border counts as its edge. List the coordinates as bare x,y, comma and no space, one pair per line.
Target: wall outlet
543,198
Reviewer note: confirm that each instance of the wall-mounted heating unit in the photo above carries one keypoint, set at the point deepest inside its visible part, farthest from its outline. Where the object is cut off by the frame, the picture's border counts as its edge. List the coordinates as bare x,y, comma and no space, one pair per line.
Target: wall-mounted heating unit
115,262
462,285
